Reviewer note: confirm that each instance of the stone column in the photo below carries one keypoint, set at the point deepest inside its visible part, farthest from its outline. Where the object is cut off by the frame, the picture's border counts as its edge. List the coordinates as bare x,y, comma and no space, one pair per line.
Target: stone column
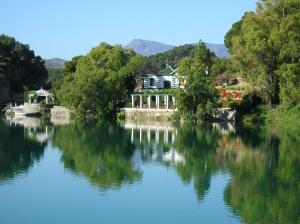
167,102
157,101
141,101
173,99
132,101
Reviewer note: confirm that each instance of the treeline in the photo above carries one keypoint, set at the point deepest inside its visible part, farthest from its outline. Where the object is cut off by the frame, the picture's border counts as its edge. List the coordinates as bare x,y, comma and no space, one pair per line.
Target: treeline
153,64
265,49
98,83
19,67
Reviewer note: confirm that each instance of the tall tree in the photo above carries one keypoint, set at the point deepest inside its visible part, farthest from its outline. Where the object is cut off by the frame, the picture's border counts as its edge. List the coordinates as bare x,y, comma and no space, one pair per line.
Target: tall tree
99,82
264,41
197,100
19,66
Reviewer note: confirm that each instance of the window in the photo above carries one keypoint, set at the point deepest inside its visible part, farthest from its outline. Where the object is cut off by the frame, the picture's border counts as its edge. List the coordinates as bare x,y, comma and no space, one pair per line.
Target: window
152,82
167,84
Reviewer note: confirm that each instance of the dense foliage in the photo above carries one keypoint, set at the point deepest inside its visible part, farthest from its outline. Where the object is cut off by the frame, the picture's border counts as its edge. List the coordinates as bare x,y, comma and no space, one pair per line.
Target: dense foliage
54,74
265,46
19,66
98,83
198,100
155,63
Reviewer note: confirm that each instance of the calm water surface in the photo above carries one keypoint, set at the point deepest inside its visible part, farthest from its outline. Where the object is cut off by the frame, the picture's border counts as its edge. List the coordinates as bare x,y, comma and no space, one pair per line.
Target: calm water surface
148,173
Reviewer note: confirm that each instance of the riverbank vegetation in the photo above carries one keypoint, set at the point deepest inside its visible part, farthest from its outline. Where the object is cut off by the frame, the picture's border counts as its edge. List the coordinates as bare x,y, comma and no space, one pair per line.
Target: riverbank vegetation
198,100
265,49
19,67
265,53
98,84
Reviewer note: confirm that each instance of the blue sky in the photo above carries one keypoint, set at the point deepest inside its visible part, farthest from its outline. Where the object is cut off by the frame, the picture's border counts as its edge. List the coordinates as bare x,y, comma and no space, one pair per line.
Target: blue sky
65,28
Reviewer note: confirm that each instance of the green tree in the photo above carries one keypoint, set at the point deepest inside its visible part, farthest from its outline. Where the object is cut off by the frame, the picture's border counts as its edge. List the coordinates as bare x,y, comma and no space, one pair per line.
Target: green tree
99,82
19,66
262,42
155,63
234,31
289,84
198,100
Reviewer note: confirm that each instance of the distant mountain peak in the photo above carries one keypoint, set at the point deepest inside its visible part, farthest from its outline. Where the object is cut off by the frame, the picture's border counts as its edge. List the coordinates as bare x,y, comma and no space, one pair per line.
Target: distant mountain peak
54,63
148,48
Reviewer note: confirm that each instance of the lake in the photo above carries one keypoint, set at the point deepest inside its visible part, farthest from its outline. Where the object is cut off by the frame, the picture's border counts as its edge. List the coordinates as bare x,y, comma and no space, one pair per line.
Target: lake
99,172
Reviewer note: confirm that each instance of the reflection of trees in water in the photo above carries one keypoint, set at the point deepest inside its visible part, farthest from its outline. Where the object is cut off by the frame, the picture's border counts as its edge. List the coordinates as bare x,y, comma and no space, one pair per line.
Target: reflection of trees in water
198,146
101,152
17,152
264,165
265,185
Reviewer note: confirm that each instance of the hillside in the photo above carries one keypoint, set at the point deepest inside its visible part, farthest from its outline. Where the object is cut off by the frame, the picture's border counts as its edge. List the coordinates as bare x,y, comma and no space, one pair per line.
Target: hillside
149,48
219,49
157,62
54,63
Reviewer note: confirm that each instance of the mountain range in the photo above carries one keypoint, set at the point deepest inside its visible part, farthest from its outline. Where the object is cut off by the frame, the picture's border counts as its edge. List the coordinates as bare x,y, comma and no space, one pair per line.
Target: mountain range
148,48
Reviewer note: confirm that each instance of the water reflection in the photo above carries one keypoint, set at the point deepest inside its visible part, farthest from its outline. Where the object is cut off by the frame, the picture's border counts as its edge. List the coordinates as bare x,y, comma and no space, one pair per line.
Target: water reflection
155,142
35,128
100,151
265,186
263,163
18,150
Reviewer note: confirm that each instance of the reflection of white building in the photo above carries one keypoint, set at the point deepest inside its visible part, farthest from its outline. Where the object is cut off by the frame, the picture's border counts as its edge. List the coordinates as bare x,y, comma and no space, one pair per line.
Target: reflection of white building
33,126
157,132
173,157
155,141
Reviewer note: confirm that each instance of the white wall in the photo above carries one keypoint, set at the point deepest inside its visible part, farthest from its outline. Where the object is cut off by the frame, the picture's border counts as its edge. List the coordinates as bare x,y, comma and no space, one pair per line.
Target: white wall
159,81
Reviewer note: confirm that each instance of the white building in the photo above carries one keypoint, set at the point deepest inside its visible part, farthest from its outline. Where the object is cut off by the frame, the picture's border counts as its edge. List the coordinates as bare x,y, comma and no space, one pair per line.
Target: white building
149,92
167,79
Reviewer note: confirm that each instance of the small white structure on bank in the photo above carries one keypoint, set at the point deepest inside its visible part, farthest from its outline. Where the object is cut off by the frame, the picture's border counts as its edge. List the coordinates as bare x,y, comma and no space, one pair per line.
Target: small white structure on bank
31,108
42,93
